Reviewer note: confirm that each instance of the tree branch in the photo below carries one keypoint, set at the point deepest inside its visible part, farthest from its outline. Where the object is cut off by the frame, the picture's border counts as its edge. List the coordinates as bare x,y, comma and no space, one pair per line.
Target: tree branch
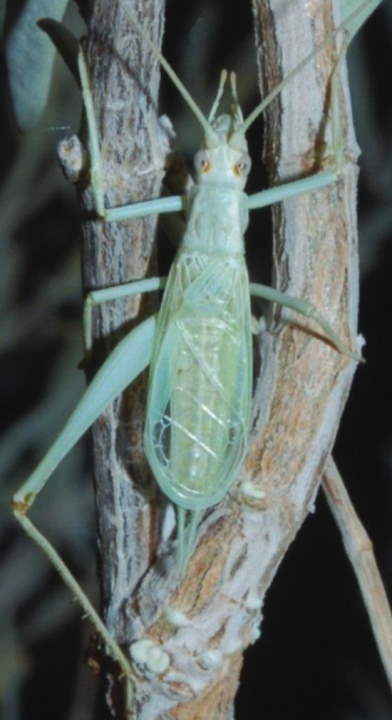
360,552
204,623
125,82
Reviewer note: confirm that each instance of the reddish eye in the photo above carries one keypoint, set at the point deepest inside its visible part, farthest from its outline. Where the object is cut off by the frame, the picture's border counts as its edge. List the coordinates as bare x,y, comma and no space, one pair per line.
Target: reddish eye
201,162
242,167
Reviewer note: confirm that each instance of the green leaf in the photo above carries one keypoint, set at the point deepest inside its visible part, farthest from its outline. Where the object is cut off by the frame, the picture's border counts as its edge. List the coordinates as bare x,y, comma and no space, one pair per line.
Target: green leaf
30,56
364,10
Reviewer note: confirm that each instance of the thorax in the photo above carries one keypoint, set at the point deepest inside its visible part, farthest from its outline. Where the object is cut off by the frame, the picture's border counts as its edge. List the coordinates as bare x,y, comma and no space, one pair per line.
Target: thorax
217,220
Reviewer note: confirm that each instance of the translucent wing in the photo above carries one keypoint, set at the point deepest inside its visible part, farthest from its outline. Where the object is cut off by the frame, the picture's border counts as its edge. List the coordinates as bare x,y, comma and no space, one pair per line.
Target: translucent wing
199,400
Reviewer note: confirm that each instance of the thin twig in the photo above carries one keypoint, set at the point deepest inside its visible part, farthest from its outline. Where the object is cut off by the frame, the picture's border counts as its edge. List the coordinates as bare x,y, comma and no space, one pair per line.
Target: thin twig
360,552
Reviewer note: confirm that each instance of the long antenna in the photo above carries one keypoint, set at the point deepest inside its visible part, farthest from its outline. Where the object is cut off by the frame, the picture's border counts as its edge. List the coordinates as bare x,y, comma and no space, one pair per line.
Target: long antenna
344,26
173,77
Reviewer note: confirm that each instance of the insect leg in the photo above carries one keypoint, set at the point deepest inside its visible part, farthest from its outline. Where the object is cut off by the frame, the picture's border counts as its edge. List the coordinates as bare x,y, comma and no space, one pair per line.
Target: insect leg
97,297
308,310
312,182
123,212
181,518
126,361
95,153
350,26
186,534
303,185
335,162
292,189
77,592
194,517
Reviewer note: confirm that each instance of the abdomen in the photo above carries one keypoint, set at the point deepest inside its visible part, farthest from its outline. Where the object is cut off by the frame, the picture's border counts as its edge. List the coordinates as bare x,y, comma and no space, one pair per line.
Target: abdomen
200,380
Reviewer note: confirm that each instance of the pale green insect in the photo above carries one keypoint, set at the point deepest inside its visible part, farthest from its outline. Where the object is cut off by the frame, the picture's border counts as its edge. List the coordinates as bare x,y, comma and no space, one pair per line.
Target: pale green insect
200,387
199,400
200,384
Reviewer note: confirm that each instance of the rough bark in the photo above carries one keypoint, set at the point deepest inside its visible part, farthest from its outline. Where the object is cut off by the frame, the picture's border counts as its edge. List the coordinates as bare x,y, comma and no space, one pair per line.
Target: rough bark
125,82
300,393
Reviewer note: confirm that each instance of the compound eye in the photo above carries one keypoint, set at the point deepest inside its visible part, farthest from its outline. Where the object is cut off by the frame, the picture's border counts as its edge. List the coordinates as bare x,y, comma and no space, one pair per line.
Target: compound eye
242,167
201,161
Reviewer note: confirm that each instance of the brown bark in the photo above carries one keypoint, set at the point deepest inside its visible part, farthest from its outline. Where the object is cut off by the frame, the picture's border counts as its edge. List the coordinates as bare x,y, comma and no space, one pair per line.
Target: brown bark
125,82
300,393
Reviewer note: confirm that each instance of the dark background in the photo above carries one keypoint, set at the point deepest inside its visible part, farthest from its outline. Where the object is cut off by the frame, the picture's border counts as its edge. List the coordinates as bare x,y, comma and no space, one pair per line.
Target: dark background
316,657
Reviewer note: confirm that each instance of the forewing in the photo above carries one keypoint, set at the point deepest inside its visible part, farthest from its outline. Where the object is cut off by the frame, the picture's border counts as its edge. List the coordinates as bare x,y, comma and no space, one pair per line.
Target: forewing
200,380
